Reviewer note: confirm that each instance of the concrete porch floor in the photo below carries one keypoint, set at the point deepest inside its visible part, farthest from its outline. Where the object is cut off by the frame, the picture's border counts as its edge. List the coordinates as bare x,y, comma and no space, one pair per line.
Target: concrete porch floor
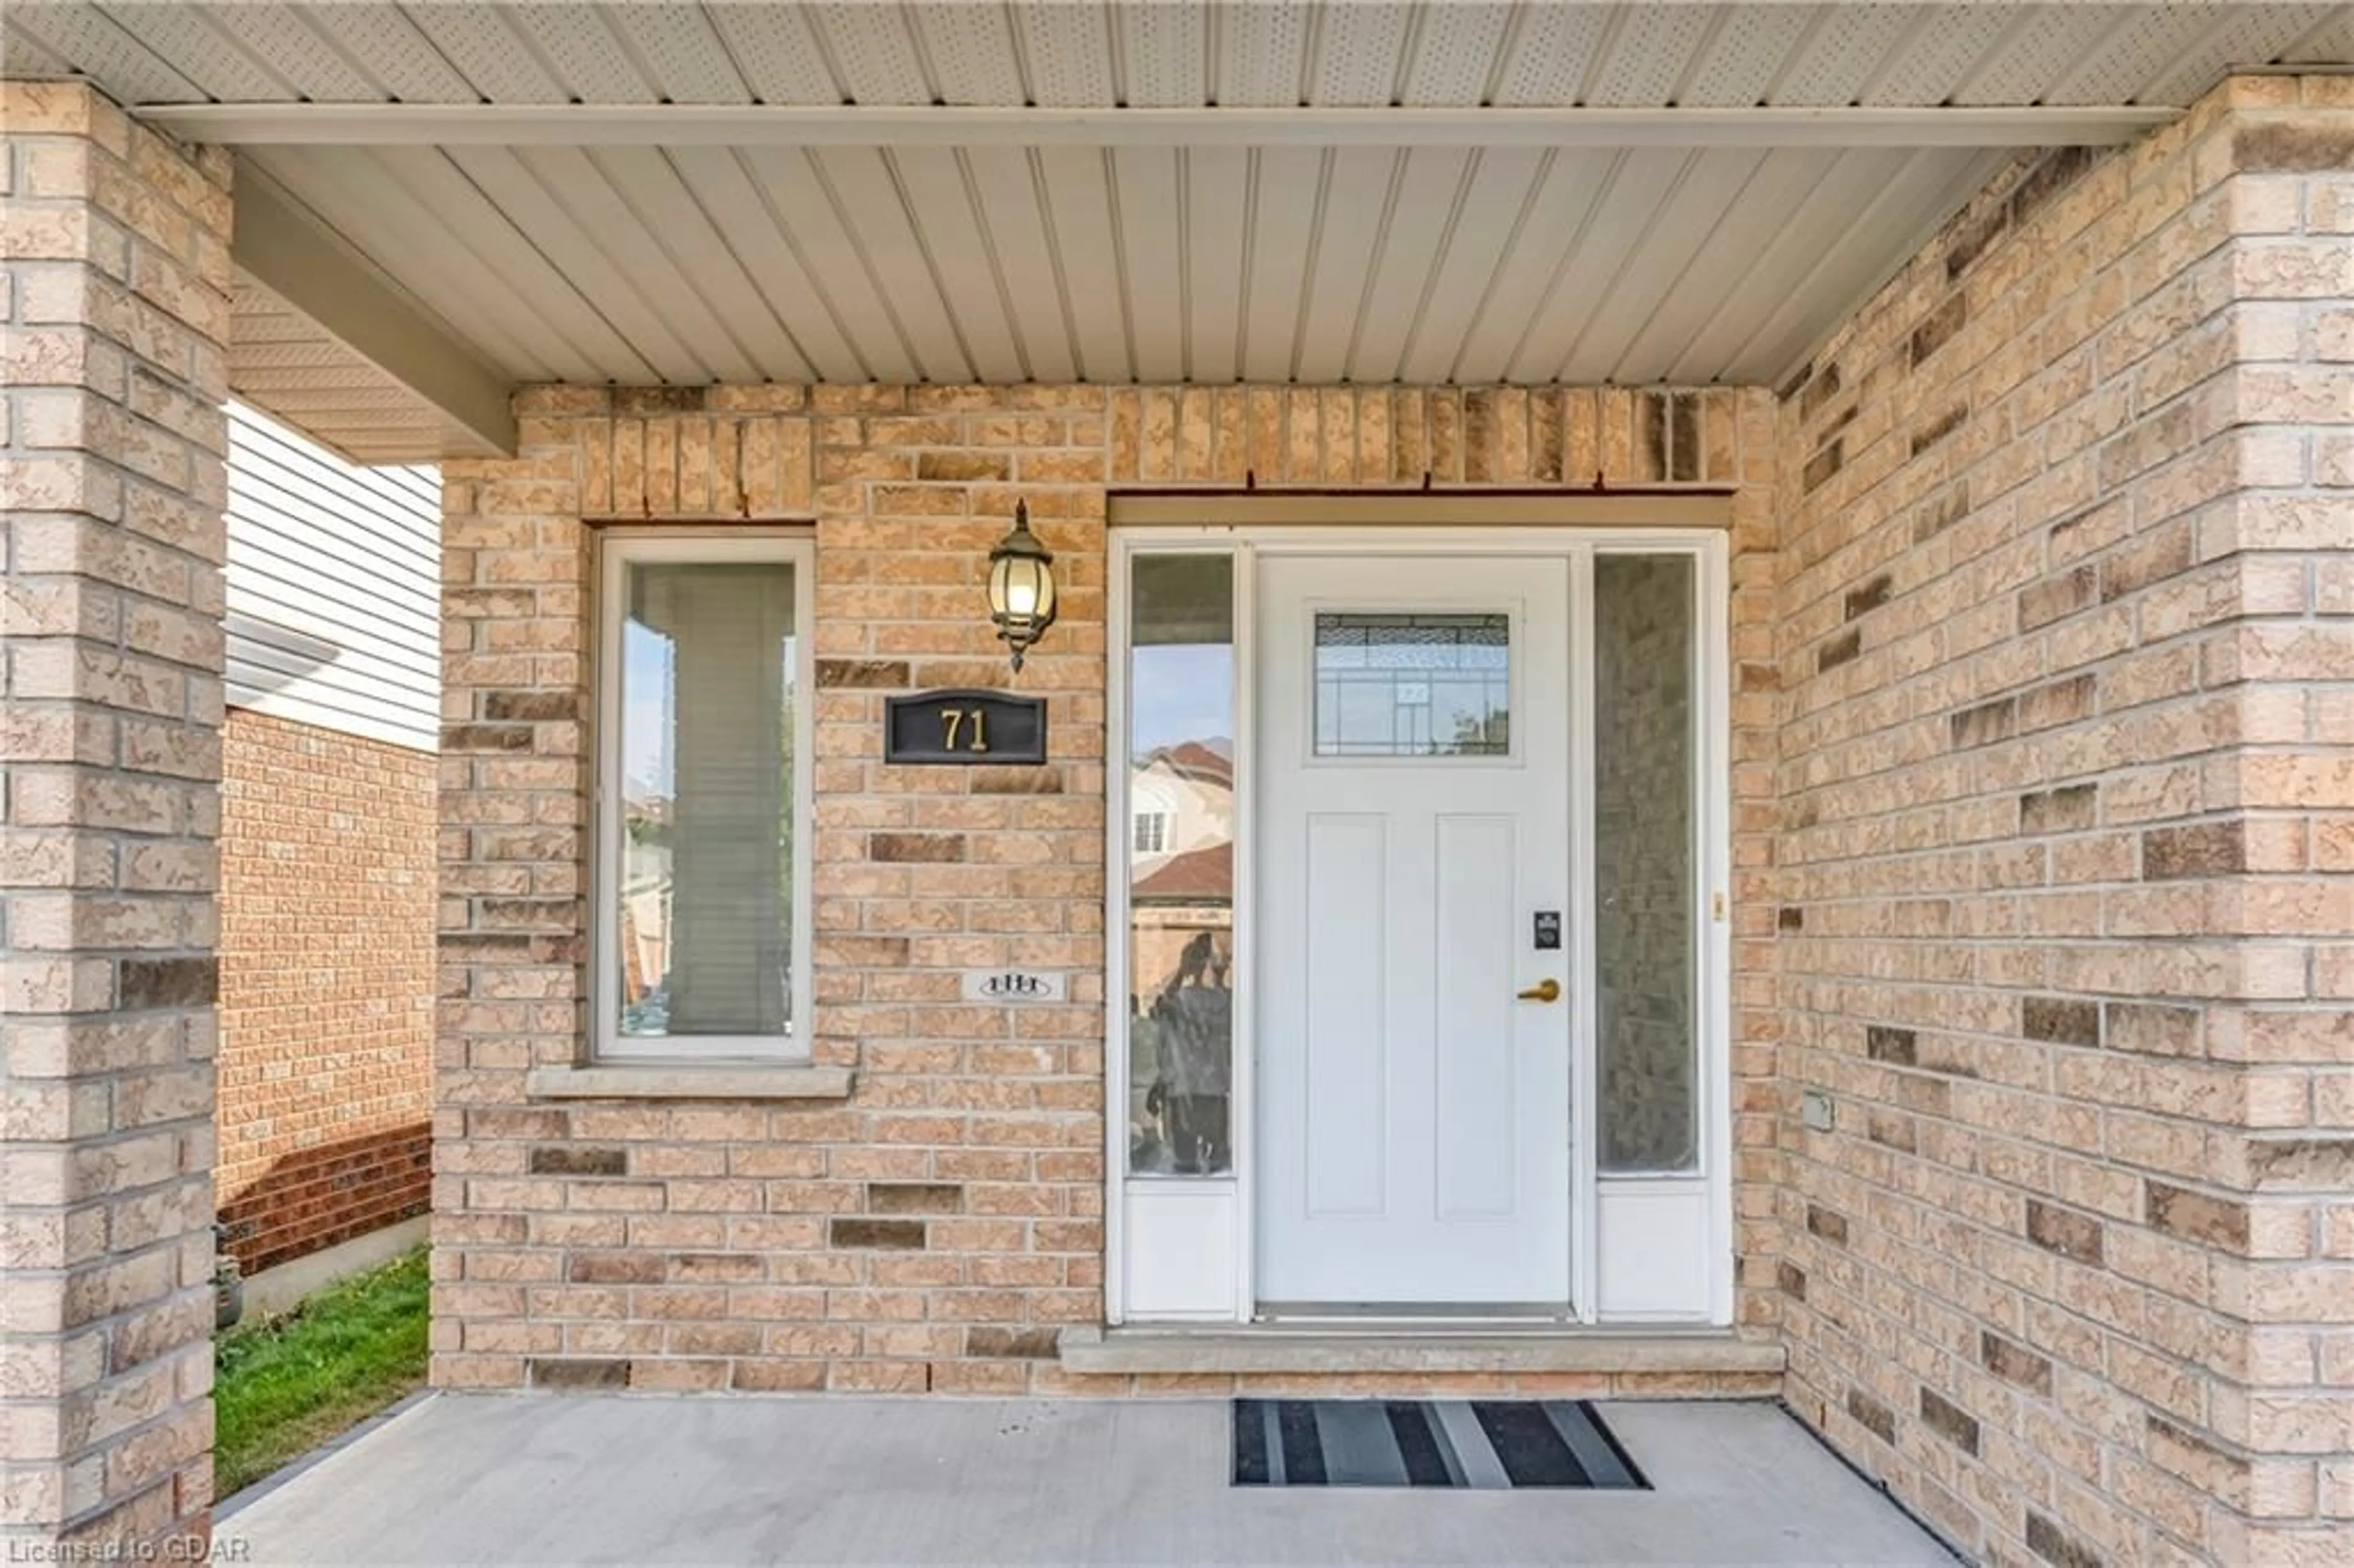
486,1479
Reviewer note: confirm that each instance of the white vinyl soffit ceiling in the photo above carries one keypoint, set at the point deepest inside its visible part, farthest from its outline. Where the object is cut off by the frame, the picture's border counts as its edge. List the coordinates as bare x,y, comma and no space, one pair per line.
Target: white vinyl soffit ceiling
1066,54
1142,190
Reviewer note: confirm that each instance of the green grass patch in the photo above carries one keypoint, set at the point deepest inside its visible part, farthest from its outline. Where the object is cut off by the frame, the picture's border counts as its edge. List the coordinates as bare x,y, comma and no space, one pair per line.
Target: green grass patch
284,1385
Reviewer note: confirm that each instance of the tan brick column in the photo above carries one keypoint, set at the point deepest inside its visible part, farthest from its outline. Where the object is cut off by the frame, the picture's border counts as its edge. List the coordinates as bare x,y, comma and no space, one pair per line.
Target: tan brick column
2067,624
114,288
2276,1211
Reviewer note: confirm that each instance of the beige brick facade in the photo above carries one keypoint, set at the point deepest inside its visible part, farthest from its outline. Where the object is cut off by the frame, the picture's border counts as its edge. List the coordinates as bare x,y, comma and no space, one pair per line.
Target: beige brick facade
2067,797
2043,822
938,1229
2040,856
326,1011
113,282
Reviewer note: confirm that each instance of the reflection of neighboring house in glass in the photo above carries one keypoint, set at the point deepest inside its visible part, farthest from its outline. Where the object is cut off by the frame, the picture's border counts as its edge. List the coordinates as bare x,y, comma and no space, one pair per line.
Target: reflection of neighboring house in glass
1181,908
1182,870
1181,797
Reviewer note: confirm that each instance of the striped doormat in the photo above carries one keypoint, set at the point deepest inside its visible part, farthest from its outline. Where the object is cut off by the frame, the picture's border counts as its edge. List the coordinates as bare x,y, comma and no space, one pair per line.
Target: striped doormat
1488,1444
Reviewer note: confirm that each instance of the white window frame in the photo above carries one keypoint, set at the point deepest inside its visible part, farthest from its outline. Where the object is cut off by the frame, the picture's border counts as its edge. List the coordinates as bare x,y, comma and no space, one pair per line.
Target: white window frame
617,550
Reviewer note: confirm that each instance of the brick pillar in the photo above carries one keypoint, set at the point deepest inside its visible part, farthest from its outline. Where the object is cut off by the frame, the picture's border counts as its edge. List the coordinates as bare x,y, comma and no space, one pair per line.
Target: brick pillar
115,278
2066,633
2275,1211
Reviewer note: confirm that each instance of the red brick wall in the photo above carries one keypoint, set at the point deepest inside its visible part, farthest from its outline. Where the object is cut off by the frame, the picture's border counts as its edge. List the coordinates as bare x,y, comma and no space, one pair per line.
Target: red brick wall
327,986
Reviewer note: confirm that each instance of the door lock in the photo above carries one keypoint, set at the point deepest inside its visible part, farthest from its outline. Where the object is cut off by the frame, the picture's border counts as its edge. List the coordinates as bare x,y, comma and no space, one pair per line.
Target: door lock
1546,990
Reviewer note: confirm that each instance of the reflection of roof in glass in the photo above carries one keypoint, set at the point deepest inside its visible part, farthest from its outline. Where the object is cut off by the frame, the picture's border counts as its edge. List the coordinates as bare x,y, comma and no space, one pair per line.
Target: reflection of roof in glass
1193,759
1198,876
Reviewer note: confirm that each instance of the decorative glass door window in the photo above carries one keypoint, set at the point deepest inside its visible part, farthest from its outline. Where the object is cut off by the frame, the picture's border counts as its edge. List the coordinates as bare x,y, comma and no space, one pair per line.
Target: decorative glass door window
1413,685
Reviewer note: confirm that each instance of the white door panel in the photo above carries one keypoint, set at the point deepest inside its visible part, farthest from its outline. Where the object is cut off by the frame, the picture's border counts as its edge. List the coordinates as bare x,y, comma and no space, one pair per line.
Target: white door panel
1413,1114
1476,1141
1344,930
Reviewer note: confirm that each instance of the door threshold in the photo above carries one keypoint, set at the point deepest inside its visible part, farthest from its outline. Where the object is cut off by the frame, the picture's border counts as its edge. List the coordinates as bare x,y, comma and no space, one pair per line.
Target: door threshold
1423,1345
1410,1317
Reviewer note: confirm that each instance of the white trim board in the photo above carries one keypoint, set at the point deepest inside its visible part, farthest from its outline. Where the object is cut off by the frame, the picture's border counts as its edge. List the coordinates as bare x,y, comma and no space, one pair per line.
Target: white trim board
864,125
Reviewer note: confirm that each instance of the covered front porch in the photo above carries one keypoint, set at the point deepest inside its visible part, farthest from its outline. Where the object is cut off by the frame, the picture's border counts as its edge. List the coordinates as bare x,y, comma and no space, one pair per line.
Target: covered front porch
1692,746
492,1479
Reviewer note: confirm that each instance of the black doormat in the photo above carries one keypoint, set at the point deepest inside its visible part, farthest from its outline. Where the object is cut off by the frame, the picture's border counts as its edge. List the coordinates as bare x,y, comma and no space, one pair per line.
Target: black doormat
1487,1445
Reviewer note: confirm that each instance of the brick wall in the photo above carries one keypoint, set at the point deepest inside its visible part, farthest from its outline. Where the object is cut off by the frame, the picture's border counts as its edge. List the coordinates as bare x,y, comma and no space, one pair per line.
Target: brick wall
114,278
2066,800
938,1228
2039,587
327,955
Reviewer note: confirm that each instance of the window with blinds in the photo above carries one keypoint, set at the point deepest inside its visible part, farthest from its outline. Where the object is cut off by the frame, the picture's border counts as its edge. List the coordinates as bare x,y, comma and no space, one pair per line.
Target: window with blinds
704,754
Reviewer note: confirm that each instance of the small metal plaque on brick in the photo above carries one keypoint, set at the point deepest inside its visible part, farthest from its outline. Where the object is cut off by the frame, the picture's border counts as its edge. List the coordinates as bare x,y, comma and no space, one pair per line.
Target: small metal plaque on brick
974,728
1013,985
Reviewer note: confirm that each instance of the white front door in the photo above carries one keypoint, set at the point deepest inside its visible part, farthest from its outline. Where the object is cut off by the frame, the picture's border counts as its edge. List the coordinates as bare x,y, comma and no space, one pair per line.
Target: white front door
1414,1108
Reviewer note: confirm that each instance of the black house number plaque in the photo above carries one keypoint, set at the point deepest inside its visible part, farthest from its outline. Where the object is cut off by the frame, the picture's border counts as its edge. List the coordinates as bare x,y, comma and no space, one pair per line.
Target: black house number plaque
973,727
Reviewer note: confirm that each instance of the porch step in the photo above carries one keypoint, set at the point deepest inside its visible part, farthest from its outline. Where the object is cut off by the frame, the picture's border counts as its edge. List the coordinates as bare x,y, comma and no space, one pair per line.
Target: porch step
1486,1348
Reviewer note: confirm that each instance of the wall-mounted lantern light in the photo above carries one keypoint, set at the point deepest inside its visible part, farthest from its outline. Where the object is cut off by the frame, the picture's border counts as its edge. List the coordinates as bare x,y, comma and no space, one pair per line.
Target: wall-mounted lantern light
1021,586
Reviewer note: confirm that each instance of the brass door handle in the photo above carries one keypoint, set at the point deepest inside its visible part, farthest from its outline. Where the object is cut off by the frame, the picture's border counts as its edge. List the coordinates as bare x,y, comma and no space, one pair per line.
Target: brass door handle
1546,990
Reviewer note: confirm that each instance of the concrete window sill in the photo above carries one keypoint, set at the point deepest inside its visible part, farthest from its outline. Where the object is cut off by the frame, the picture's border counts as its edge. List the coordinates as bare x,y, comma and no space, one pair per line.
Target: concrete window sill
689,1081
